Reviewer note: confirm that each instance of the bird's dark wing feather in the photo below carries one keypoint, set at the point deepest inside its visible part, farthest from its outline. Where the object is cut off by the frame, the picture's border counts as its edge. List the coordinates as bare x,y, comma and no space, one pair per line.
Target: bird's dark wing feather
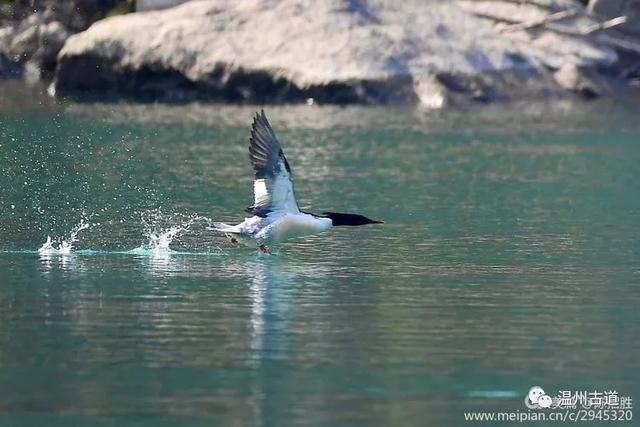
272,185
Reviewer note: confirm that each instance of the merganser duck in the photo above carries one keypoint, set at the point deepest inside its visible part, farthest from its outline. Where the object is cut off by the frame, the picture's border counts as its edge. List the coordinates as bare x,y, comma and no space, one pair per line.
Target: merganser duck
276,215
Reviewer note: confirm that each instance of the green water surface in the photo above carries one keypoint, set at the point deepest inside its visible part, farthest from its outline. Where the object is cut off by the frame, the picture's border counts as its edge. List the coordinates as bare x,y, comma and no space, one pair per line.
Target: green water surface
510,258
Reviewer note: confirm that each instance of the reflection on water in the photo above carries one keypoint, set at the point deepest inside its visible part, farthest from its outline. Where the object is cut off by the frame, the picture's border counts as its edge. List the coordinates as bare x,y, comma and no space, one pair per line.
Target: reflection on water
509,259
258,289
66,262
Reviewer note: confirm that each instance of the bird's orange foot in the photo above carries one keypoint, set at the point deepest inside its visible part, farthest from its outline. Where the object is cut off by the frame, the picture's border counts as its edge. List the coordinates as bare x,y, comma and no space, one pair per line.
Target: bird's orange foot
232,239
264,249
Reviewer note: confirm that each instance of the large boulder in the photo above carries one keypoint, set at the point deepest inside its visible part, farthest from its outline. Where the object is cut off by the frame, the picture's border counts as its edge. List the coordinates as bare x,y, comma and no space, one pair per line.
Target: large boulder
33,44
33,32
339,51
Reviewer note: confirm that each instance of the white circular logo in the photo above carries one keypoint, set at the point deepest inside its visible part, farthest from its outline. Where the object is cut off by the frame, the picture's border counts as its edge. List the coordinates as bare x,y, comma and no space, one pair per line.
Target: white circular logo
537,398
544,401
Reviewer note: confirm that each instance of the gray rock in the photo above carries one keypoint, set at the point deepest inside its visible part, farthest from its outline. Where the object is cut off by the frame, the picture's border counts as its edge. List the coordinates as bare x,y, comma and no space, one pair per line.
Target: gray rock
584,82
51,39
550,48
338,51
6,34
33,44
24,44
608,9
9,69
142,5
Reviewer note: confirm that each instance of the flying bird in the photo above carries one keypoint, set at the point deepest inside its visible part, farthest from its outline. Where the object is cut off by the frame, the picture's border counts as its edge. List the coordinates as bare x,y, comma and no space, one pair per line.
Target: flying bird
276,215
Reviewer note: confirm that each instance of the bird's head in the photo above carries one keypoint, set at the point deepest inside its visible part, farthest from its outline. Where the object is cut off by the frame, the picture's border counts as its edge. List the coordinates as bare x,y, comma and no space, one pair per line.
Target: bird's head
349,219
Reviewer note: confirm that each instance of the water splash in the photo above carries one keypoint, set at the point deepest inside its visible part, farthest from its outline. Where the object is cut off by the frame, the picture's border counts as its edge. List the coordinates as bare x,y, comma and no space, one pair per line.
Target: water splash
159,238
160,231
65,246
160,242
47,246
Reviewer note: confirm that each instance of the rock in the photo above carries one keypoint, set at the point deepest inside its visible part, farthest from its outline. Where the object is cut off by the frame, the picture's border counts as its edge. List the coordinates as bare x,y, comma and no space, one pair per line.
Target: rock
609,9
142,5
31,72
76,15
8,68
24,44
33,44
512,11
51,39
431,92
550,48
582,82
6,34
37,30
474,88
334,51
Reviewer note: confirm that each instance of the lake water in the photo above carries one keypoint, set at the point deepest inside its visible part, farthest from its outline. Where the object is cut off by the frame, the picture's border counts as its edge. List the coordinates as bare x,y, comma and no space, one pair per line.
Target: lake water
510,258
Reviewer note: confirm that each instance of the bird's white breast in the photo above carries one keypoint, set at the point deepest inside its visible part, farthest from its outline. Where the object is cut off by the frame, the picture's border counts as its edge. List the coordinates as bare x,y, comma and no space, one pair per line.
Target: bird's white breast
299,224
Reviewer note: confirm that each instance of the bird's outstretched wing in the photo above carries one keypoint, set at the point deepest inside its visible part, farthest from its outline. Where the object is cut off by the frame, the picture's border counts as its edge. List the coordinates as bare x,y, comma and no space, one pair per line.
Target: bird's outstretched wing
272,185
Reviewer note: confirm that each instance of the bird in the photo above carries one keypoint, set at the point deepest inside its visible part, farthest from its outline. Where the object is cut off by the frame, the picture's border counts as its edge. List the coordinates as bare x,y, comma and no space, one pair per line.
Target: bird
275,213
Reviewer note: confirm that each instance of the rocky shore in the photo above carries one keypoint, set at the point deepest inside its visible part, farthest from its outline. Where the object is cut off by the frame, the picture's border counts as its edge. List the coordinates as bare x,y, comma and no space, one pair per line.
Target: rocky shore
334,51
